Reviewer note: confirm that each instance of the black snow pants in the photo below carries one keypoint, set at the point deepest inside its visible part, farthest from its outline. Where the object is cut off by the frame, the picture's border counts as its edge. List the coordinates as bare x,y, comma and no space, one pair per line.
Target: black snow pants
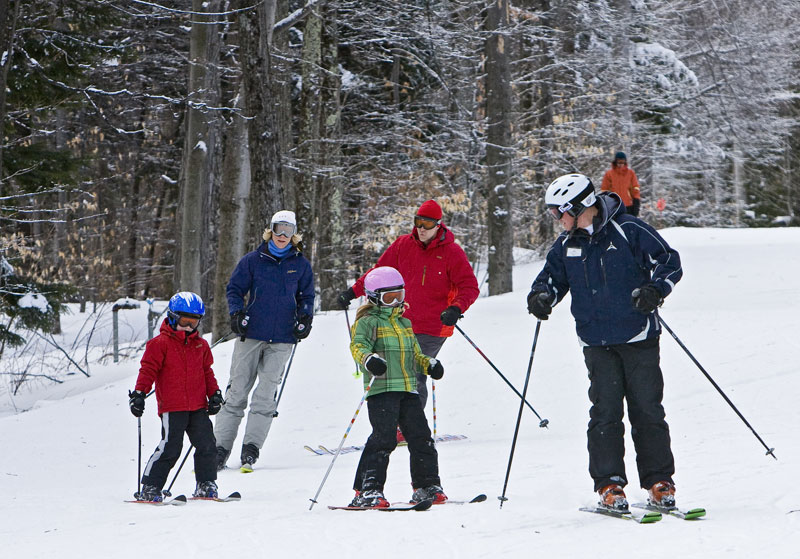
430,346
387,410
630,372
174,424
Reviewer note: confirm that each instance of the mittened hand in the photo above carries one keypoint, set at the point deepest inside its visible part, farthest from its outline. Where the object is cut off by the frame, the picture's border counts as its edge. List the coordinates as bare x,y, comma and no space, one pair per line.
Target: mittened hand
540,304
239,321
136,402
345,297
215,403
435,369
450,315
376,365
303,327
647,298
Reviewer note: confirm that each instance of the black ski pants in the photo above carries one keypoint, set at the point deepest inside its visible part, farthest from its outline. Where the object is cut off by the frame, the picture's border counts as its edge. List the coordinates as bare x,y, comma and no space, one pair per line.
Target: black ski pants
387,410
174,424
630,372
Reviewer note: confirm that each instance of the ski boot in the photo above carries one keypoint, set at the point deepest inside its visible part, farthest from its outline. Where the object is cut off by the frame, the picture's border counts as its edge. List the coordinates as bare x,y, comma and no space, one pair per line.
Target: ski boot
613,497
222,458
370,499
433,493
662,494
249,457
149,493
206,489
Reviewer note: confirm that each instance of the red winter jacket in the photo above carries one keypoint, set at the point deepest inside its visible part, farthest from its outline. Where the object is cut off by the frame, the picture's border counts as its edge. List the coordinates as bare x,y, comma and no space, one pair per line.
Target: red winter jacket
180,366
436,276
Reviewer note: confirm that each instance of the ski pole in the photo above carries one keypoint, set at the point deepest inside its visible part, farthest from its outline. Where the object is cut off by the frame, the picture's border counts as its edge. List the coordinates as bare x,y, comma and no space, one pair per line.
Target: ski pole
770,451
341,444
433,399
166,491
139,471
350,335
224,338
519,415
542,422
283,384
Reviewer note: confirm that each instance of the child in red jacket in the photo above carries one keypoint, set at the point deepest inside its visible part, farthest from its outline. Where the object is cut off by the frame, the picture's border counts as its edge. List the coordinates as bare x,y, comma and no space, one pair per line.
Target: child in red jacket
179,362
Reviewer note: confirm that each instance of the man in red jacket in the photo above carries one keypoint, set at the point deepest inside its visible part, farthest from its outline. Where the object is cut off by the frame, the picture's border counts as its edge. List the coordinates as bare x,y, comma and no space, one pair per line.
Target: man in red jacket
179,362
439,281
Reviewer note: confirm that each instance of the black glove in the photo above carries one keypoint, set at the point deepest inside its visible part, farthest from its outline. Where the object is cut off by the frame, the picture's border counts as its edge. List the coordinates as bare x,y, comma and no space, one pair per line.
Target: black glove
239,321
540,304
647,298
435,369
136,402
215,403
302,327
450,315
376,365
635,208
345,297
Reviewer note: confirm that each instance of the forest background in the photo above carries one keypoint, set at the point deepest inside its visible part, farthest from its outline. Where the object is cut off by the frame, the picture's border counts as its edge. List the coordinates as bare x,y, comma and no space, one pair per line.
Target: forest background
145,145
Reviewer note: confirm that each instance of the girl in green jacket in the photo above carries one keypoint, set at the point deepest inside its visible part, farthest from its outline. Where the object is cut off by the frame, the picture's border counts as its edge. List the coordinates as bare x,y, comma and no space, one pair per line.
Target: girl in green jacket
384,346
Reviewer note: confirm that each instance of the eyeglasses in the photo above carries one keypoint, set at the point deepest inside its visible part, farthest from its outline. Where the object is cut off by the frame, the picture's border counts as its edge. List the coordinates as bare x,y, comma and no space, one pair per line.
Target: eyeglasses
283,229
393,298
187,321
425,222
555,214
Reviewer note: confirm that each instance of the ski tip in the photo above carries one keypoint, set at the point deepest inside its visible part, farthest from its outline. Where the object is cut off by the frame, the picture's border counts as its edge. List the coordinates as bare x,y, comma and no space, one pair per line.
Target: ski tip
479,499
246,470
423,505
181,498
235,496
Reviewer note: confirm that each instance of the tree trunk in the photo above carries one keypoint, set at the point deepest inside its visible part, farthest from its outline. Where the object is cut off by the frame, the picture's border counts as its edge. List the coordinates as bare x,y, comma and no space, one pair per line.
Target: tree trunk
255,29
197,180
9,13
308,141
498,149
232,243
331,259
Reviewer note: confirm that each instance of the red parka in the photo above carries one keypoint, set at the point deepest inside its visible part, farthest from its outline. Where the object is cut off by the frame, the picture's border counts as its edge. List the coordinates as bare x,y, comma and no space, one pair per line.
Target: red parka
180,366
436,276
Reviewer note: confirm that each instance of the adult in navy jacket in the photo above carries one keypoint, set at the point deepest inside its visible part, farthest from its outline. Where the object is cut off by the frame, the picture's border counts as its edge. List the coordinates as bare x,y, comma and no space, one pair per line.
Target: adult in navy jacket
278,284
618,271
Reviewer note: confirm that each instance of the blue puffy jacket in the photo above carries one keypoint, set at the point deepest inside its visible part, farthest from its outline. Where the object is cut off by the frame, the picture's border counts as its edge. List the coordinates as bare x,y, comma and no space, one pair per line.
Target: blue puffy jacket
603,269
278,291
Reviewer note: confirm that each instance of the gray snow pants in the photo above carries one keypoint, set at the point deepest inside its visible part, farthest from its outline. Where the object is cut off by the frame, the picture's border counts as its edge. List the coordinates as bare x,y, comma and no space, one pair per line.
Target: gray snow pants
252,359
430,346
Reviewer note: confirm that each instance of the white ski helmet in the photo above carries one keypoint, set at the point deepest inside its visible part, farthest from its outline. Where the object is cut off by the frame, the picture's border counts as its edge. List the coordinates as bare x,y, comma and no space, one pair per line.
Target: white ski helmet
570,194
382,280
283,222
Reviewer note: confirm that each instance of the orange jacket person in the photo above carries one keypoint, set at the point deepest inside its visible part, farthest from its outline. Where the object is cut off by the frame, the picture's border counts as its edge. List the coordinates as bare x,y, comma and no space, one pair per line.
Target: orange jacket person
622,180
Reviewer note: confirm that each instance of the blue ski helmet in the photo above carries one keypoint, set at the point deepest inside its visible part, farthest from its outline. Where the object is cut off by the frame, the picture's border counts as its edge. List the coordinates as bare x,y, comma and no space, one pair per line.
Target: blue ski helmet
185,303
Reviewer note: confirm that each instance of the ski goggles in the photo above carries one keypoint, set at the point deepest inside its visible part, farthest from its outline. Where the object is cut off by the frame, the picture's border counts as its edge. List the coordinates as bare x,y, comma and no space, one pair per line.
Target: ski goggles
189,321
425,222
557,212
283,229
393,298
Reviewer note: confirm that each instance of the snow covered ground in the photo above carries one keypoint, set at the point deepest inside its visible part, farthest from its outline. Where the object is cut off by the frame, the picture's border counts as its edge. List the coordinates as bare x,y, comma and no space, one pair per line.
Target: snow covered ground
69,460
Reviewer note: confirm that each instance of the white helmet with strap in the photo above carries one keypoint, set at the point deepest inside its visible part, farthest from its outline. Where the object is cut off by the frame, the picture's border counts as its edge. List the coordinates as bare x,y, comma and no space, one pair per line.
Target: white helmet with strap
570,194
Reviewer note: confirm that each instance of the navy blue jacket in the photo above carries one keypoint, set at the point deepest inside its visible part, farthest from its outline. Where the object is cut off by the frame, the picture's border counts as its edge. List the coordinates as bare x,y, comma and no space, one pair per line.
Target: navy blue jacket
278,291
603,269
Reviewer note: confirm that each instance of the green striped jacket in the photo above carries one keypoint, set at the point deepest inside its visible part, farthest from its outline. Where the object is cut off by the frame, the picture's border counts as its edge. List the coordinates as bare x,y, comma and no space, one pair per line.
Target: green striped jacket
384,331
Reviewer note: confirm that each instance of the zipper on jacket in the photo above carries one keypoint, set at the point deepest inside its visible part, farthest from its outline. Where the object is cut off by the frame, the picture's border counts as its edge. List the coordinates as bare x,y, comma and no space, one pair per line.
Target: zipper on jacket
424,269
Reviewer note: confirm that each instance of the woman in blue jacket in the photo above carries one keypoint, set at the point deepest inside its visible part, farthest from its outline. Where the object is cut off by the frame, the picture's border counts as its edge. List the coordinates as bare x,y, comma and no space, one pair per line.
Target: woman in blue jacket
278,283
618,270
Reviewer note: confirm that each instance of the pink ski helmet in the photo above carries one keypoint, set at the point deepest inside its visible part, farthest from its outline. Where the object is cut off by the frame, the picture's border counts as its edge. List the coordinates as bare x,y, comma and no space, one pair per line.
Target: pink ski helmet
385,287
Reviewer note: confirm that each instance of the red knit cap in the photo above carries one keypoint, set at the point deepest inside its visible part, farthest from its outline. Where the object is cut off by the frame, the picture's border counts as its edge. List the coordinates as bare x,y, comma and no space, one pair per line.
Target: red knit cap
431,210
